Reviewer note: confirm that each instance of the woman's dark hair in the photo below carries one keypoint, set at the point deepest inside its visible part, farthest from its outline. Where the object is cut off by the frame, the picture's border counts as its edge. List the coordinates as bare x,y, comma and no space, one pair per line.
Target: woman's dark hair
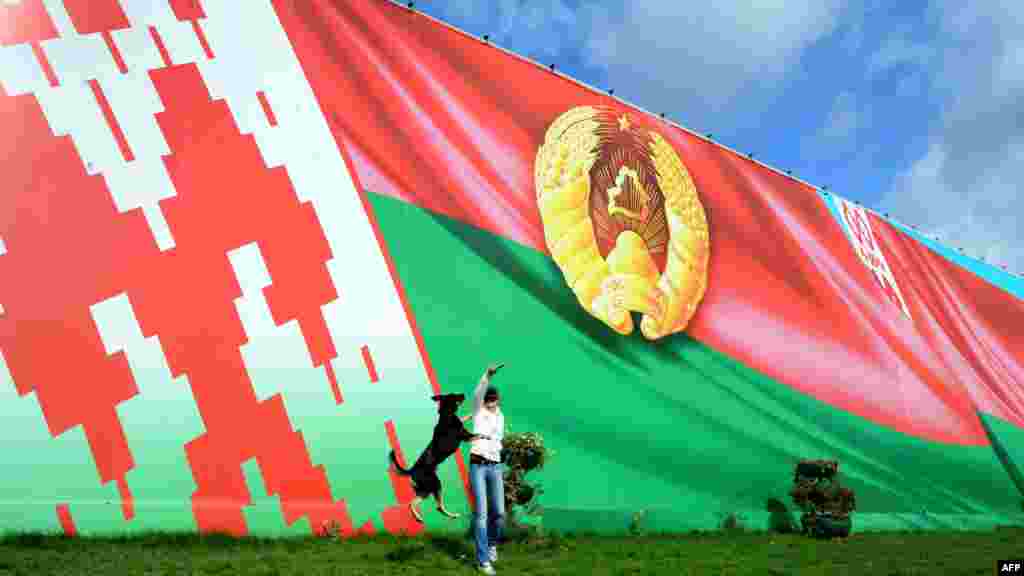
491,394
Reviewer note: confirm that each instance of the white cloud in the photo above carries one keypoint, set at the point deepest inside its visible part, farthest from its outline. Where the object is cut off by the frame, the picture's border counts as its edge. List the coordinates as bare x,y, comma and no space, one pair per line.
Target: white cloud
852,29
966,187
842,121
536,30
698,58
898,49
689,59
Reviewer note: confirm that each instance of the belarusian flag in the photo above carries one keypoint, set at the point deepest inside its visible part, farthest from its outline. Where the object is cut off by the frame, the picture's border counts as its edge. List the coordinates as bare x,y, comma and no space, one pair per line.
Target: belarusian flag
809,341
237,260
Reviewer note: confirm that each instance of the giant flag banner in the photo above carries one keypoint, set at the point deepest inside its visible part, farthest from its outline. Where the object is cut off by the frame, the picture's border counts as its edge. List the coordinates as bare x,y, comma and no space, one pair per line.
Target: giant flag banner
236,262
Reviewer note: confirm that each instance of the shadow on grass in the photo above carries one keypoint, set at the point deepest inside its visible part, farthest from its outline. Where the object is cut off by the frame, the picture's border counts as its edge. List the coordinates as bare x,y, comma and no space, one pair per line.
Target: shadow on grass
413,549
419,548
34,539
452,546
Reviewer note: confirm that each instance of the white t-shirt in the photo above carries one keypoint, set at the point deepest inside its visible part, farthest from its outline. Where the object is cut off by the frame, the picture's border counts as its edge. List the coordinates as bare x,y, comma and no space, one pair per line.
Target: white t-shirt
491,424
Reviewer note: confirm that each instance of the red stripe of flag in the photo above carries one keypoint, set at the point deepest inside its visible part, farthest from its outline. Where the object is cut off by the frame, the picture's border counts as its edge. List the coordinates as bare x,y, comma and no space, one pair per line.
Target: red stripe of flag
389,427
127,501
262,97
108,39
202,38
398,519
333,379
44,62
108,114
164,54
370,367
67,523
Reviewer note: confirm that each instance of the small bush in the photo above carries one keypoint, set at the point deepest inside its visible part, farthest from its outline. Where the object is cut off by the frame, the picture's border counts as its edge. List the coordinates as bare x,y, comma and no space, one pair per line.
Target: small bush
733,522
826,505
636,522
523,453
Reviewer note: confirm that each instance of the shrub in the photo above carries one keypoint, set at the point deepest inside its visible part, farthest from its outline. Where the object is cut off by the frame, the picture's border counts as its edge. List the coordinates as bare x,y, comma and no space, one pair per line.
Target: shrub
523,453
826,505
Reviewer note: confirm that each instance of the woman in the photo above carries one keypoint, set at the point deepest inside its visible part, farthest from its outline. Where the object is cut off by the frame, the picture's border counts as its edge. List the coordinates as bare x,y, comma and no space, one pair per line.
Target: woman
485,471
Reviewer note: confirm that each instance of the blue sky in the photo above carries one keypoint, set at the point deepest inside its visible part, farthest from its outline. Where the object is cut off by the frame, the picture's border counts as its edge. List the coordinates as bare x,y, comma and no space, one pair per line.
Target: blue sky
913,108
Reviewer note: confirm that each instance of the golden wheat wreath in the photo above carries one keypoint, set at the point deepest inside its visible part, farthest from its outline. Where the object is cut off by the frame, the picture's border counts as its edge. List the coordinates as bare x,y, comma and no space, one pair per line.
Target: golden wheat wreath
602,183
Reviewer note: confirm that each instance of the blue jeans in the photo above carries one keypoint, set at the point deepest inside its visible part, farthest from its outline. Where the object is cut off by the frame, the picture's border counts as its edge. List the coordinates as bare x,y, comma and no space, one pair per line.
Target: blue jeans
489,496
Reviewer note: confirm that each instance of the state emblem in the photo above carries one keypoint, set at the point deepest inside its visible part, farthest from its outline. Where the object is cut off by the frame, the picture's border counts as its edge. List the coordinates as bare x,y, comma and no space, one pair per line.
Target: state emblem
622,220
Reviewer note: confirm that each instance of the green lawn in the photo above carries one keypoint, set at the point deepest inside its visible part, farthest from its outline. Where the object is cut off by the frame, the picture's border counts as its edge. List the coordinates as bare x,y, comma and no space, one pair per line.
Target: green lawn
713,553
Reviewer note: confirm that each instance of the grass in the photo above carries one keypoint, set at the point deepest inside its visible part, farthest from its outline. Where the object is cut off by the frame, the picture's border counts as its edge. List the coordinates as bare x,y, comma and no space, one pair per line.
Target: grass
698,553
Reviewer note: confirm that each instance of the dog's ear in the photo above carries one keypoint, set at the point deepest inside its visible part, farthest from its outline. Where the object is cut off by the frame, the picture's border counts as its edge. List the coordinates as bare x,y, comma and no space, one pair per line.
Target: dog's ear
460,397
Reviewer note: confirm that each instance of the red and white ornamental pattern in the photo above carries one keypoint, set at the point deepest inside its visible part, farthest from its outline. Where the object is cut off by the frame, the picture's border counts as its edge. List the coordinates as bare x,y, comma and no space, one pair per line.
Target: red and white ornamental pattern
858,228
181,237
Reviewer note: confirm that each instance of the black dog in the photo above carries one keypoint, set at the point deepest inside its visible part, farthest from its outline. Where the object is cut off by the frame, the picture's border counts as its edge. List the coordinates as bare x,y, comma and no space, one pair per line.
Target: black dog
448,434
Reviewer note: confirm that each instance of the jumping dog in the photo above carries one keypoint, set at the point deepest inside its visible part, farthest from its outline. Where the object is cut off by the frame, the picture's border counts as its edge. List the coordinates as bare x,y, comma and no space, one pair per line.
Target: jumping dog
448,434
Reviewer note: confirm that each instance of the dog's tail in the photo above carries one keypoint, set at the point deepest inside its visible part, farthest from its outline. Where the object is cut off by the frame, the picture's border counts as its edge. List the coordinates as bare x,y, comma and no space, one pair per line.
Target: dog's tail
398,466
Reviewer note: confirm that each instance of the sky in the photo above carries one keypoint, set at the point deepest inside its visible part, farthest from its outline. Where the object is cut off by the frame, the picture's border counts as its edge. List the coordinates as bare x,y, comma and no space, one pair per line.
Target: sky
913,108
